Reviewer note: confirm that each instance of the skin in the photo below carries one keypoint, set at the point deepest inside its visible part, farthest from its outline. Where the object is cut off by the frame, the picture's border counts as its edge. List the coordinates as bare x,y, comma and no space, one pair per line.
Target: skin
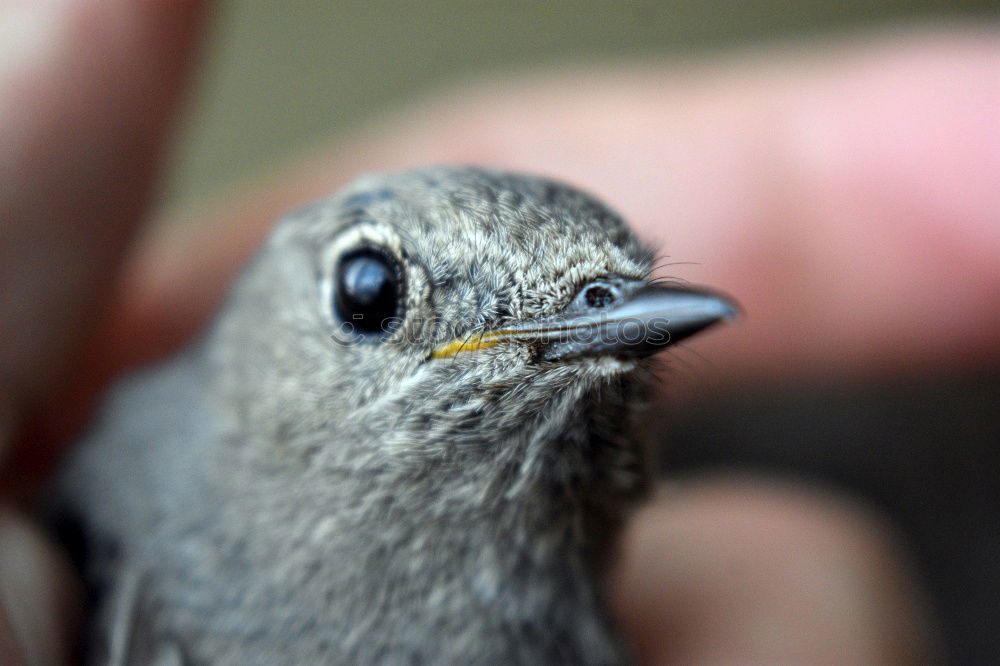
872,161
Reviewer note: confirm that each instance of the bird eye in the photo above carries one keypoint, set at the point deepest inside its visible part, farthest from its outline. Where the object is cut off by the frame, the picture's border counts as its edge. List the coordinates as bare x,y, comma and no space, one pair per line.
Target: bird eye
368,294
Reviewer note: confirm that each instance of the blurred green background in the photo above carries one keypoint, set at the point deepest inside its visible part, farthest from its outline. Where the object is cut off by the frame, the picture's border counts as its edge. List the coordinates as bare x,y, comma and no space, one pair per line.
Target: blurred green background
277,76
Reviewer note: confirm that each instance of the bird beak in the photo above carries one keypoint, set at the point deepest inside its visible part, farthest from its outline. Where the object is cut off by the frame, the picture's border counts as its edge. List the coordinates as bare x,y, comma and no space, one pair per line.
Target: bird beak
611,317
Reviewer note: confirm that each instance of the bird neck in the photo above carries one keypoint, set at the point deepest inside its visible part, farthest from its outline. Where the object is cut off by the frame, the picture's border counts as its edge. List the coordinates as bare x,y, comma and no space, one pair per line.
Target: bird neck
503,542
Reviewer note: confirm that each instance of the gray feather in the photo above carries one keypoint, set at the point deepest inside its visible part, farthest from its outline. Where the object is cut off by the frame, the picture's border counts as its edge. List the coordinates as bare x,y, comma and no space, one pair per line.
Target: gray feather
279,495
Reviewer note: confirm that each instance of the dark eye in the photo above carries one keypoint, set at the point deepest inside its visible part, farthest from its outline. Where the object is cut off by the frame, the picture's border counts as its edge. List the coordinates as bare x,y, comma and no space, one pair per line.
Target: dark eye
368,293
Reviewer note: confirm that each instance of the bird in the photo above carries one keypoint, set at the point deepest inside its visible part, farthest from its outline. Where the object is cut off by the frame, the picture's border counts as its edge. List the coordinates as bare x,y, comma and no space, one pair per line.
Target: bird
411,434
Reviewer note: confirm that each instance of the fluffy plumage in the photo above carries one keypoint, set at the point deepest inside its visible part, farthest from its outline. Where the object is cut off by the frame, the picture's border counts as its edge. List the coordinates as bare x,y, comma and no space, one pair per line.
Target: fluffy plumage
279,494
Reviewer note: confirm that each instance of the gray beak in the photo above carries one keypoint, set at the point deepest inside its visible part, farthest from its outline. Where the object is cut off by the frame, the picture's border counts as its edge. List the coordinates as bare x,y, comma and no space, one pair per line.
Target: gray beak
612,317
625,318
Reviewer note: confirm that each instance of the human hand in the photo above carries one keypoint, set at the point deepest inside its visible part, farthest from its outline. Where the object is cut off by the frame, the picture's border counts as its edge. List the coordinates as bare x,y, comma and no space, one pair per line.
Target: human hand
87,91
833,196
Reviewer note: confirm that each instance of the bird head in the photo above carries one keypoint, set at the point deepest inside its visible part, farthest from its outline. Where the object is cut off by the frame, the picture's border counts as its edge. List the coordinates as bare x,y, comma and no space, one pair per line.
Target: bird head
488,326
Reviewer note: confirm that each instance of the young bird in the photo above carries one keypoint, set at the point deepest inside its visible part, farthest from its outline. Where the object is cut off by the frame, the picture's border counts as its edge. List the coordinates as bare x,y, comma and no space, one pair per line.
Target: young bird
406,438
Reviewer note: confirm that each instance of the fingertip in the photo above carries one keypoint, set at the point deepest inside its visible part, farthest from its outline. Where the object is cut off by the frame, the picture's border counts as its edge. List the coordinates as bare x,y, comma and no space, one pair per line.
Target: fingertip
40,598
737,570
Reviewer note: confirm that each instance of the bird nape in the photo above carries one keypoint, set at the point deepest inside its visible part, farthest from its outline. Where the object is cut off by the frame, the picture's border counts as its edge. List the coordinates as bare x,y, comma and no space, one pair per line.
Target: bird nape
410,435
